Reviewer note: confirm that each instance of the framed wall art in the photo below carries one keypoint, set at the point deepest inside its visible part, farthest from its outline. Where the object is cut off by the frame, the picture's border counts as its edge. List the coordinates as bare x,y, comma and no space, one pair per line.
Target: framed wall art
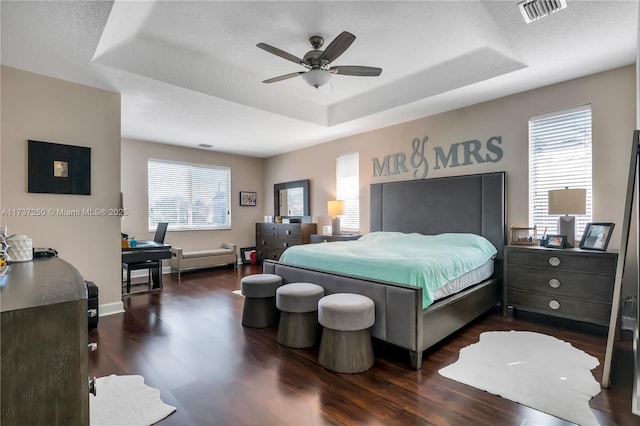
247,198
55,168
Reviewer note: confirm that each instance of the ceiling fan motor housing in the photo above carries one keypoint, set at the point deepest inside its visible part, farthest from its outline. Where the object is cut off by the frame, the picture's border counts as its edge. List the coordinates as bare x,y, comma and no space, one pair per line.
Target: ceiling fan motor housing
313,61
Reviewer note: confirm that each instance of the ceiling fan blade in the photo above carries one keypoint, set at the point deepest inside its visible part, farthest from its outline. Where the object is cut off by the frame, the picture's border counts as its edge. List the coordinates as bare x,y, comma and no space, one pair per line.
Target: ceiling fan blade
356,70
338,46
284,77
281,53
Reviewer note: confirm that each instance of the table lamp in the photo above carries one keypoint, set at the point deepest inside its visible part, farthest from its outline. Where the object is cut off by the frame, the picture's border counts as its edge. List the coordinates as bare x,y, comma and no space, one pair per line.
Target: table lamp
567,202
335,209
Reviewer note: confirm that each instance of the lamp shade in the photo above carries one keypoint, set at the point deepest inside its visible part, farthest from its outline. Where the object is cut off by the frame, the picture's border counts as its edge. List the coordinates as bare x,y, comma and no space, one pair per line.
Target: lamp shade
568,201
335,207
316,78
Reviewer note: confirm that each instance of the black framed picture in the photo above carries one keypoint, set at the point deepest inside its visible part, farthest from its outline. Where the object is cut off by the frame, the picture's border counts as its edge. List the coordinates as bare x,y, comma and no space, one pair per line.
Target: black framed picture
596,236
247,198
245,254
556,241
55,168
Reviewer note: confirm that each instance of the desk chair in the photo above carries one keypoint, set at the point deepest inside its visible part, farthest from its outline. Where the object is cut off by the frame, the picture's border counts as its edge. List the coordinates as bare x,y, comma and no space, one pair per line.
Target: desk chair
150,265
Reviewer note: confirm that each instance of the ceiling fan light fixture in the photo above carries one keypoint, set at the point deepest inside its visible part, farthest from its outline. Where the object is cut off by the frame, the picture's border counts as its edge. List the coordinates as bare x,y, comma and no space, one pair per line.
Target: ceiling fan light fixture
316,78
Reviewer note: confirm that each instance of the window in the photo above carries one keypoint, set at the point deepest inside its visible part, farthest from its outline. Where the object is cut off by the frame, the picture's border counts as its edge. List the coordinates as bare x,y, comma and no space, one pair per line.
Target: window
189,196
348,189
559,157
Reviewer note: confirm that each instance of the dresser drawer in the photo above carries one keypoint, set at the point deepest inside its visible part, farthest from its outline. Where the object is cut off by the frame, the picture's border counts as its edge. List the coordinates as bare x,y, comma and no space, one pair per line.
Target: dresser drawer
266,230
268,253
289,231
576,285
273,253
594,312
565,261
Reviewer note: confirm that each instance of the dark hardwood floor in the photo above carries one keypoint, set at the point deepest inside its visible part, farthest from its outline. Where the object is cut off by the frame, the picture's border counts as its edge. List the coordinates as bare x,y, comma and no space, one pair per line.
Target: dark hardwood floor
187,341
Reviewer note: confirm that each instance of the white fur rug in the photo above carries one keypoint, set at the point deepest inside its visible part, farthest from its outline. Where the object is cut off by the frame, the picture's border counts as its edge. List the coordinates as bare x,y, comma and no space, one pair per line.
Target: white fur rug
533,369
126,401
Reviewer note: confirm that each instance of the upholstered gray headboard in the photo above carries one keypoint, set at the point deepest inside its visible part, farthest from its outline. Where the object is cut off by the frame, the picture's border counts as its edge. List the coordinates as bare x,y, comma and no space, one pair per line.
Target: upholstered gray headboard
473,204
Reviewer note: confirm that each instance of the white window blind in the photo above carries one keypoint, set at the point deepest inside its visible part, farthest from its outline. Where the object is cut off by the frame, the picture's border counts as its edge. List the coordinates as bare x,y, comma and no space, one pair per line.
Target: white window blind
348,189
189,196
559,157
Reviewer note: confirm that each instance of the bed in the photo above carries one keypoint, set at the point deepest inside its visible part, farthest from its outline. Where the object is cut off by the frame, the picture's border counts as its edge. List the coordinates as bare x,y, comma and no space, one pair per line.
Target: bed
472,204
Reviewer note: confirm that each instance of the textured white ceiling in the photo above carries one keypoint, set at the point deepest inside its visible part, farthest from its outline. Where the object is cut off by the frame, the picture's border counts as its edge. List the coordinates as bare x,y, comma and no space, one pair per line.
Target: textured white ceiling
190,72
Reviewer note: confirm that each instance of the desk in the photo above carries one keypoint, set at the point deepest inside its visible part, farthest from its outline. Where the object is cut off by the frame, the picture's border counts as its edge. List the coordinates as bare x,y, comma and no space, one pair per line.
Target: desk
148,250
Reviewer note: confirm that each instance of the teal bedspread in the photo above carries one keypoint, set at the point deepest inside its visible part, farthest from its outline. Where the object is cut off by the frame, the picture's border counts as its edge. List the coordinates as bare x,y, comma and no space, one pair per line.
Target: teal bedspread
427,261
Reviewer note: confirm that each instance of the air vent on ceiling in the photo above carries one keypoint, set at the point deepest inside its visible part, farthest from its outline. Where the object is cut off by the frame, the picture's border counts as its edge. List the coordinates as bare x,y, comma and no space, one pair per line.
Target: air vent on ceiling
533,10
205,145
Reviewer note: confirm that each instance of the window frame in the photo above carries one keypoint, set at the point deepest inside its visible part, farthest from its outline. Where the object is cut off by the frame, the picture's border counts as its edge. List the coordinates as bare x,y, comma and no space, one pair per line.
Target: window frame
191,167
569,130
349,192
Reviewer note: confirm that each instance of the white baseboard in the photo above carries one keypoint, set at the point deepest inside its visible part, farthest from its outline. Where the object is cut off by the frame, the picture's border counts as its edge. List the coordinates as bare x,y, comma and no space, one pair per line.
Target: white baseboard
111,308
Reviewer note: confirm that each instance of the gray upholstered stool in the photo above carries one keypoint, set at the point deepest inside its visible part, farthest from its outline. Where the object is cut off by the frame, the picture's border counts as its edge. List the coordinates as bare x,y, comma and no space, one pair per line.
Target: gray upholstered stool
346,346
260,300
298,304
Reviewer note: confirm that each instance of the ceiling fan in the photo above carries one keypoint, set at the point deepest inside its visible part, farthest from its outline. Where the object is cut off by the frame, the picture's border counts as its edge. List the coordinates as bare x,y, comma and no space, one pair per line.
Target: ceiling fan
317,61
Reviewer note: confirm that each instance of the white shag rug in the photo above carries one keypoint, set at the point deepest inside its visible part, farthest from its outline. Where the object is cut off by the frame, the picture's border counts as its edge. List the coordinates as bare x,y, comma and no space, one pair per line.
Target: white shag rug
533,369
126,401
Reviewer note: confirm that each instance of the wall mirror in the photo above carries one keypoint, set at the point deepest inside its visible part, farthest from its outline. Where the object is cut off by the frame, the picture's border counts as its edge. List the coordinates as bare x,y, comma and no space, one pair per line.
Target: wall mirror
291,199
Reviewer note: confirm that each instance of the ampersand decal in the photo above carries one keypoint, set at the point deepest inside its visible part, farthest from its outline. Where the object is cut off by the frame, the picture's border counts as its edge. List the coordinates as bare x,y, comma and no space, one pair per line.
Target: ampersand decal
418,159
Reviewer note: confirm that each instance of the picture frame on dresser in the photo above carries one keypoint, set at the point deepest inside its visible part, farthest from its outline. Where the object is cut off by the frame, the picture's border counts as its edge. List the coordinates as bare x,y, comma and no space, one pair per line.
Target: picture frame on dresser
596,236
556,241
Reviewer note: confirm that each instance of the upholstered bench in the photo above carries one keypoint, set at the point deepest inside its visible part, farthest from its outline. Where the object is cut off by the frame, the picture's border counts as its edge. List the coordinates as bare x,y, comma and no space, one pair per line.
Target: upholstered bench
187,260
346,346
298,305
259,291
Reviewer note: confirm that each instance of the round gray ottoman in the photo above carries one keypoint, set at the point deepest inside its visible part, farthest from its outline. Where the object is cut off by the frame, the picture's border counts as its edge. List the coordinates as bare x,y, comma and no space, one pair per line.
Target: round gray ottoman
259,309
298,305
346,346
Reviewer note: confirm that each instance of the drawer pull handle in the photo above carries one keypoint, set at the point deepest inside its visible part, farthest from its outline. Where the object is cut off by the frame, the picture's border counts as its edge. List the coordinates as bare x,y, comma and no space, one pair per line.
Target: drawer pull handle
288,232
554,261
285,244
554,304
554,283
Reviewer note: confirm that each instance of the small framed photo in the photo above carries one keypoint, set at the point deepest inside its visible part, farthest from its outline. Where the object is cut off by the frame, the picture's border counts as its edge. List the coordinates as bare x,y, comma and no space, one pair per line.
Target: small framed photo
245,254
247,198
556,241
596,236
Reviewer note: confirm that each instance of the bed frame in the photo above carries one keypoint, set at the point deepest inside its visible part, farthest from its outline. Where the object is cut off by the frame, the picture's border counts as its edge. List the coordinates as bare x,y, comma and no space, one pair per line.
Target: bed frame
473,204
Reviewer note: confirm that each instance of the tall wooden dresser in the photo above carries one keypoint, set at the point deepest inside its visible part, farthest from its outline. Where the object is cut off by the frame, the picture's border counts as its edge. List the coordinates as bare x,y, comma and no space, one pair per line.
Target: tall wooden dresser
569,283
272,239
44,347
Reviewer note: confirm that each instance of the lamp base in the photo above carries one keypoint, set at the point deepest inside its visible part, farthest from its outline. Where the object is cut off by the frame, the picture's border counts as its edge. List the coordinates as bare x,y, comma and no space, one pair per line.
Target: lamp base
335,226
567,226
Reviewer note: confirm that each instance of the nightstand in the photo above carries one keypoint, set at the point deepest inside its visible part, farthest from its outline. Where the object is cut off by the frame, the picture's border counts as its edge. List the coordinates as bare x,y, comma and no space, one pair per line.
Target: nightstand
317,238
568,283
